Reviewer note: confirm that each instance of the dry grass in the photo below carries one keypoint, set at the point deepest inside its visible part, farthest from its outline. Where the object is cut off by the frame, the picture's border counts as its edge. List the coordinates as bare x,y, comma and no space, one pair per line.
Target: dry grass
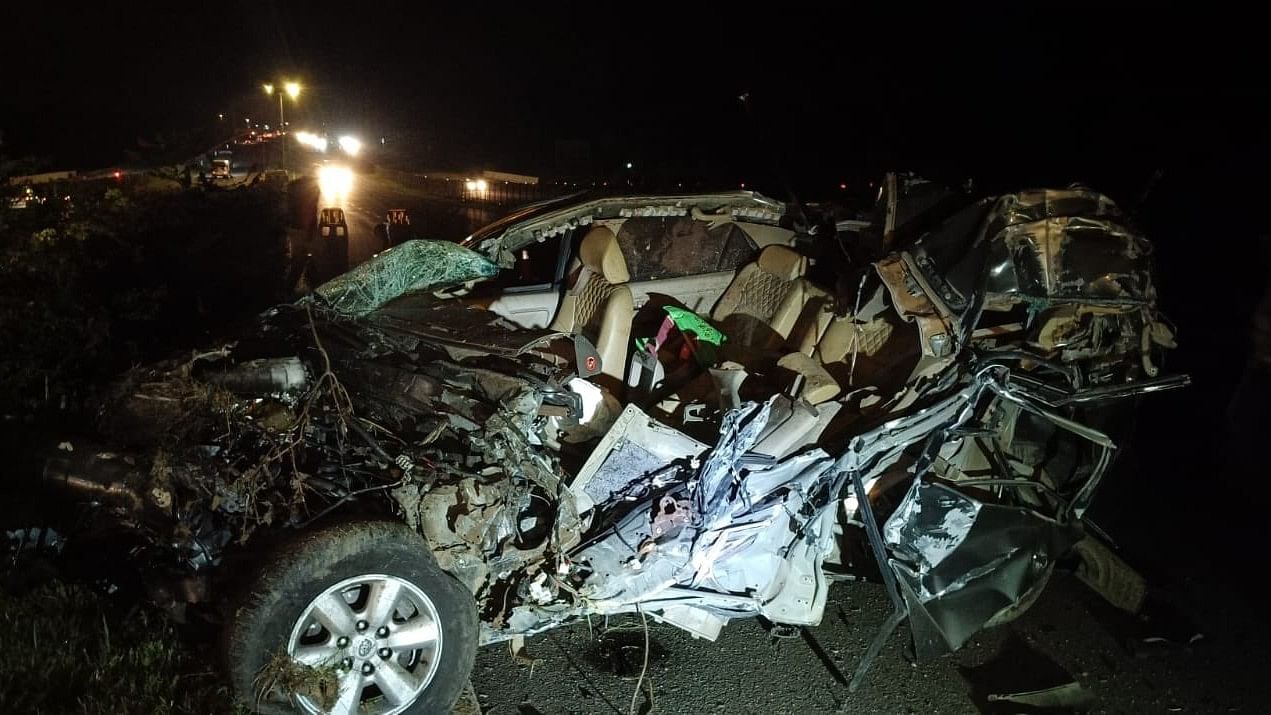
321,684
67,650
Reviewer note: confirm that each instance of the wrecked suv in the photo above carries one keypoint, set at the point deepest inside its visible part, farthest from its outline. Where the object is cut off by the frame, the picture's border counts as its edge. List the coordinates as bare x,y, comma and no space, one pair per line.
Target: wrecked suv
691,407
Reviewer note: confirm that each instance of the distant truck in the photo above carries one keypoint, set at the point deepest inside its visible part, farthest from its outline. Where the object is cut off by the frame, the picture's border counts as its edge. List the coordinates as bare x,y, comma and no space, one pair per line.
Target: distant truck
220,169
45,178
222,165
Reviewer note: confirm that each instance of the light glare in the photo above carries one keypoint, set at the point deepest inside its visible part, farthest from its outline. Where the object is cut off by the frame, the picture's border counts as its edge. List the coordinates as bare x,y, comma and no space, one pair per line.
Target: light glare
311,140
335,180
350,145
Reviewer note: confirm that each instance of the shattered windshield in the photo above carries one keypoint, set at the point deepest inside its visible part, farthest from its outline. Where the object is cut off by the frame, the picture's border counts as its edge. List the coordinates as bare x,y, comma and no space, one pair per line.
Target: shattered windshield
412,266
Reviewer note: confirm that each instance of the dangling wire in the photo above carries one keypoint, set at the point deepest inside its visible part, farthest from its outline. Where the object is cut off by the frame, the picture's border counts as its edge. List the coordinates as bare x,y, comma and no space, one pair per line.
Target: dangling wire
644,668
856,329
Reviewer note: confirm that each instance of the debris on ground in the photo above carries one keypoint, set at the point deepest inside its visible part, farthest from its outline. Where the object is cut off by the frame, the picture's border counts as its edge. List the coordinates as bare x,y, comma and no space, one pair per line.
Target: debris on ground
1020,679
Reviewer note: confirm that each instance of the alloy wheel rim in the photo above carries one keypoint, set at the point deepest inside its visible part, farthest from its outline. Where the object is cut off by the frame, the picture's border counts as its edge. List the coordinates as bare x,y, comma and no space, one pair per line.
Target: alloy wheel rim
383,636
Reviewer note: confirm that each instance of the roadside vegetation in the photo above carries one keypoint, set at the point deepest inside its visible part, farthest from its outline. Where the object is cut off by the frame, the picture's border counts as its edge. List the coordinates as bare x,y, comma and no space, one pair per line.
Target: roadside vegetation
96,278
107,275
67,649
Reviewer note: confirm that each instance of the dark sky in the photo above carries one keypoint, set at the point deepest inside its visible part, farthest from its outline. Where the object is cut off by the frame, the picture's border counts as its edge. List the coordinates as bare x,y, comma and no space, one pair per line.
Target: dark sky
837,92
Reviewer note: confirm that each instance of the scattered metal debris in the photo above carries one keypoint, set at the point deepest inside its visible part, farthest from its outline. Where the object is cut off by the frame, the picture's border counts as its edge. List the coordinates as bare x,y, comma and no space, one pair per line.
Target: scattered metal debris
38,539
1022,680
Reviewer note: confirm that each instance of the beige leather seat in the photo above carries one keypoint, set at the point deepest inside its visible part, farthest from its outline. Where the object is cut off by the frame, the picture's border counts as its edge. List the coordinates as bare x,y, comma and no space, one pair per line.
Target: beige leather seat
770,303
763,303
867,352
770,312
599,305
845,336
813,319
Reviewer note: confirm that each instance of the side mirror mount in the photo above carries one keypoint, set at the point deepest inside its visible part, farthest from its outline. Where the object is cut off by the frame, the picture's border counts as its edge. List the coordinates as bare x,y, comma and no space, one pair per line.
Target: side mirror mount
455,291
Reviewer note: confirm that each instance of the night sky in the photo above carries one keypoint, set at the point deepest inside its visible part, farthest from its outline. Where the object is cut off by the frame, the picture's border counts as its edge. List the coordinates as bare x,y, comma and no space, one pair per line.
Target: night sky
1122,100
836,94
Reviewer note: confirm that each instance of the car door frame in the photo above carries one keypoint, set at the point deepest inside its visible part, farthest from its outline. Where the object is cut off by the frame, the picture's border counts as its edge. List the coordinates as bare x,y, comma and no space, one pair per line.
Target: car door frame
536,305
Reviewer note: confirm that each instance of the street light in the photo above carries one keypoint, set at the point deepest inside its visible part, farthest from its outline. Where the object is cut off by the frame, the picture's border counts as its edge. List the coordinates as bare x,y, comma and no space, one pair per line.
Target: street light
292,90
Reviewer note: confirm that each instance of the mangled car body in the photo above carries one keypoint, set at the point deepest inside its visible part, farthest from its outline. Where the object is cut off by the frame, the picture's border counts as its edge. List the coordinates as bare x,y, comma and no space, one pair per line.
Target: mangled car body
693,407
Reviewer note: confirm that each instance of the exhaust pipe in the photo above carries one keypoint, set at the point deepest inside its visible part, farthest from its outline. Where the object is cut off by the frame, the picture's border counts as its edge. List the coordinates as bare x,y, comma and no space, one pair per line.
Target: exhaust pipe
95,476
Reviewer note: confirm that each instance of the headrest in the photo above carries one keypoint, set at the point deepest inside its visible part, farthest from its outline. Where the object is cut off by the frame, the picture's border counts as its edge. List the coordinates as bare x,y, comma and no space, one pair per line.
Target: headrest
599,252
783,261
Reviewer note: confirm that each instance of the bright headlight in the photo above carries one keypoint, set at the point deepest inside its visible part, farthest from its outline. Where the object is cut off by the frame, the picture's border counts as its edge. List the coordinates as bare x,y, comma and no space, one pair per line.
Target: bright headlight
311,140
351,145
335,180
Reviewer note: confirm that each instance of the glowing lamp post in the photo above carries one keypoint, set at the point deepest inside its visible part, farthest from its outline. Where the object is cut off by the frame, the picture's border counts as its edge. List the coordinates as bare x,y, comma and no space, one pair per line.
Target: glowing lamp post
291,89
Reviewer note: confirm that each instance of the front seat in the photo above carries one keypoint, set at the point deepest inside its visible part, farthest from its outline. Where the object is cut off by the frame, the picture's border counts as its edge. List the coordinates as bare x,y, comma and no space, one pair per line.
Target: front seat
599,306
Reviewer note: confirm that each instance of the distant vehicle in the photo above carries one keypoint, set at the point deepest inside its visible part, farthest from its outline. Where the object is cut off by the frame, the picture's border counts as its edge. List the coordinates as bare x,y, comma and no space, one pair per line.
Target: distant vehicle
333,245
396,228
220,168
25,197
331,223
275,176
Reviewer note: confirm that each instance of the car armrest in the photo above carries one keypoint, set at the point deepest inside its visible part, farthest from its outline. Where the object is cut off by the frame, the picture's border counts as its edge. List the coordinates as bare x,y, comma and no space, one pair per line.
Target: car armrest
818,385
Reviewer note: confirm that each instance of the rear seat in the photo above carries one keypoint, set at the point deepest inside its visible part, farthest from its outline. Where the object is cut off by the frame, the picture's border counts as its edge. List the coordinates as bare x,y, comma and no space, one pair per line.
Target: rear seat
772,313
871,350
763,303
814,318
770,305
842,337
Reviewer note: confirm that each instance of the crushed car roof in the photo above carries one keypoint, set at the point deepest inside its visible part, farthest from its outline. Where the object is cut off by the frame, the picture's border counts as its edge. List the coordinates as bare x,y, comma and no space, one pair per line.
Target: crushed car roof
500,240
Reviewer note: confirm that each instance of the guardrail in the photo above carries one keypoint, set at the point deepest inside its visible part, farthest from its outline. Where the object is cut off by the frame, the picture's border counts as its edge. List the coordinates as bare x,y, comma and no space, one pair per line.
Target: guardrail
477,190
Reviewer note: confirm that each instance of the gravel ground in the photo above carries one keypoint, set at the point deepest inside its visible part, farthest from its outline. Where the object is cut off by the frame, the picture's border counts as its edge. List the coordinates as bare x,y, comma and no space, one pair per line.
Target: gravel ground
746,671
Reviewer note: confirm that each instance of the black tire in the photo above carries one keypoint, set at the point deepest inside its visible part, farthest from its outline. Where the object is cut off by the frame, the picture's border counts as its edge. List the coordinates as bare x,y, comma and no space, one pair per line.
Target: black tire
298,572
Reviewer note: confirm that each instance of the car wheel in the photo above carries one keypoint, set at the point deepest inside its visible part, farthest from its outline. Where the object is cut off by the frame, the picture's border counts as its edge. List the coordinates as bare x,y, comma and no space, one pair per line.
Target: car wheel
366,620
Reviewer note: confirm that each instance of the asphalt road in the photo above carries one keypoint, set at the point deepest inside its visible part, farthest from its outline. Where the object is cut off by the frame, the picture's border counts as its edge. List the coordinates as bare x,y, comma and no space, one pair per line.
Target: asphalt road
371,197
366,200
746,671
